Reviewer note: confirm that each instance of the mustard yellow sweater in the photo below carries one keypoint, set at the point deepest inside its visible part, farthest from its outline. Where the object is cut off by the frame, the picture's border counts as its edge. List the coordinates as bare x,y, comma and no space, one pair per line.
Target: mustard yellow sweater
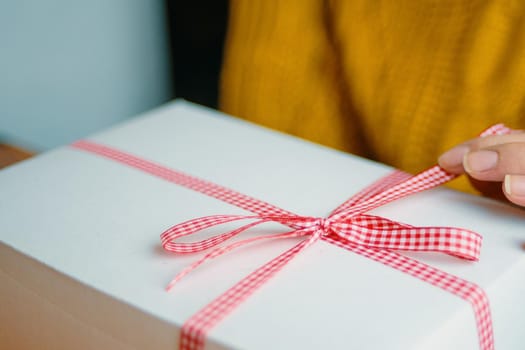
396,81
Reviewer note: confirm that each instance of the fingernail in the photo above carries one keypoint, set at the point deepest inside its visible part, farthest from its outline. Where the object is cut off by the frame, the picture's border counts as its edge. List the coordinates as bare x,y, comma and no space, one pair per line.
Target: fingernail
515,185
479,161
453,157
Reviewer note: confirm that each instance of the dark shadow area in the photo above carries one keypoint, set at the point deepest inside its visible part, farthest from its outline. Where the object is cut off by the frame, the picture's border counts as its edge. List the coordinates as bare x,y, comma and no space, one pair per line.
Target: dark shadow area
197,30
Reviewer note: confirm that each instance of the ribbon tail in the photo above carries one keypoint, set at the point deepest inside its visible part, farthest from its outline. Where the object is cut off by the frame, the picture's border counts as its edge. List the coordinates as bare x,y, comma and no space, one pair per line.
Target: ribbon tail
223,250
385,182
193,332
455,285
497,129
427,179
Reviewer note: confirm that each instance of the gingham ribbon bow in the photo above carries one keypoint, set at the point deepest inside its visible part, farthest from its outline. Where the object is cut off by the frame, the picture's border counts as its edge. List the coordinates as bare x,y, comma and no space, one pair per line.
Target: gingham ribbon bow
348,226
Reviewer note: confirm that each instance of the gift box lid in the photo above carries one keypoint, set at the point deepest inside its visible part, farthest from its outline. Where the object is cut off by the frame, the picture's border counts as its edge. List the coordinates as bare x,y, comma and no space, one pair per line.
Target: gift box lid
91,227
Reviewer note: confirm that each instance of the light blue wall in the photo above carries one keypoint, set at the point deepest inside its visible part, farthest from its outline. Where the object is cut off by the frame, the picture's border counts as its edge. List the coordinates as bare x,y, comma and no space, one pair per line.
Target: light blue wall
69,68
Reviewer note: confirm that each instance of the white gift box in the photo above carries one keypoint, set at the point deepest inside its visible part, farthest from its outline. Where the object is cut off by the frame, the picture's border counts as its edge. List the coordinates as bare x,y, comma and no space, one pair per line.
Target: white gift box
81,265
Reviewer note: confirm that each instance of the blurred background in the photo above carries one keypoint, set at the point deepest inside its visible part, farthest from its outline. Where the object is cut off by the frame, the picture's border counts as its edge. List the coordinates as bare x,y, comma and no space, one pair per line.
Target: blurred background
70,68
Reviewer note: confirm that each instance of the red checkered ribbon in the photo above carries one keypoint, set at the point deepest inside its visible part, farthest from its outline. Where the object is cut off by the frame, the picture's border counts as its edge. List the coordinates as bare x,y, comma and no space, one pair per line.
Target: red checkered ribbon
348,226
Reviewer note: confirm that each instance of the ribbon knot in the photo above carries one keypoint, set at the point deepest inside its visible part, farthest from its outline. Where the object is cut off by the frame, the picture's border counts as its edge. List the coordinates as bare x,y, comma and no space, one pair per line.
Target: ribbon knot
349,224
323,225
307,224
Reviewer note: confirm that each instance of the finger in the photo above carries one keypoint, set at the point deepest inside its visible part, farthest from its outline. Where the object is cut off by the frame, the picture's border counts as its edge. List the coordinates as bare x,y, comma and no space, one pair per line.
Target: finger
493,163
494,140
514,189
452,160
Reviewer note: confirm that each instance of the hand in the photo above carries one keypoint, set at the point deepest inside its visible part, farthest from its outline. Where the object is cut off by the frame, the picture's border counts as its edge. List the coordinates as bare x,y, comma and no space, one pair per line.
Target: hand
494,164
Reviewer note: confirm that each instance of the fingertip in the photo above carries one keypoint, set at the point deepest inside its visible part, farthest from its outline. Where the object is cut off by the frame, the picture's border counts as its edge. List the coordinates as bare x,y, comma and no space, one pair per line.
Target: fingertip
452,160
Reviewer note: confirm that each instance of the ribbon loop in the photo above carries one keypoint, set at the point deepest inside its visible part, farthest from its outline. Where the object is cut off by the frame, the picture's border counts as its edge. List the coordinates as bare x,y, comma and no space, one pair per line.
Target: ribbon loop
378,232
189,227
304,224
